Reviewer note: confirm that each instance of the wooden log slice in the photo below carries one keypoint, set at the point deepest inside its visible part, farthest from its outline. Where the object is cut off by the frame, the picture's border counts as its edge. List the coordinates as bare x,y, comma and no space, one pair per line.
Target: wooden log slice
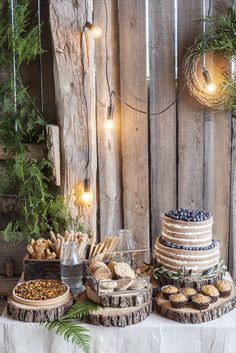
193,316
197,284
118,300
120,317
22,312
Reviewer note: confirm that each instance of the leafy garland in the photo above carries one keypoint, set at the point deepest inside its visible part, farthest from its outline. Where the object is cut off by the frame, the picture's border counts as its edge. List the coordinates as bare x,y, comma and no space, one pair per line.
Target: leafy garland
39,209
221,38
70,329
184,274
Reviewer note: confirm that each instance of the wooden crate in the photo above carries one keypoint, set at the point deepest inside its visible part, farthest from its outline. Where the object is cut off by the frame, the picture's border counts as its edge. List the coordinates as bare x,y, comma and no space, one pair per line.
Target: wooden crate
41,269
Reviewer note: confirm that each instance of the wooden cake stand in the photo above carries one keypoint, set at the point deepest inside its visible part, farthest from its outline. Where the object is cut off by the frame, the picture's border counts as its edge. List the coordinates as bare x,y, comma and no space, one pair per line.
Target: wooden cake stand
193,316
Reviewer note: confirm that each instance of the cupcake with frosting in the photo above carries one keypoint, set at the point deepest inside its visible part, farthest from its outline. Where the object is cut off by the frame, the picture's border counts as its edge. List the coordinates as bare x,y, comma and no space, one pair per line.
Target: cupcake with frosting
224,287
200,301
211,291
178,301
188,292
167,291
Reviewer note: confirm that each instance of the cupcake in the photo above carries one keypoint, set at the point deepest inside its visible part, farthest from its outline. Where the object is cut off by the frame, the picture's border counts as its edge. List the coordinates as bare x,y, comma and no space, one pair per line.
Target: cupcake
200,301
178,301
169,290
224,287
211,292
188,292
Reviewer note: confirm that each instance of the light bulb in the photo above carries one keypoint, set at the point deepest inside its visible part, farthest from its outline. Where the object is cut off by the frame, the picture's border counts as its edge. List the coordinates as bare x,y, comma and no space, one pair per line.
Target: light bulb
97,31
109,123
210,87
87,195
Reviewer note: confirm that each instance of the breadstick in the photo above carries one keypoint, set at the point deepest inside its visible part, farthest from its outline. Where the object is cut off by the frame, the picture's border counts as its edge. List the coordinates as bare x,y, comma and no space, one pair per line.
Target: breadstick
61,248
92,244
31,251
58,244
53,237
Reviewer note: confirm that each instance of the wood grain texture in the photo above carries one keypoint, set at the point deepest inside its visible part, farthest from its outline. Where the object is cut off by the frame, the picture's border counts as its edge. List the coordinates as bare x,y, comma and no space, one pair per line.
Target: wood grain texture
53,143
67,20
17,253
217,161
134,124
109,141
232,240
190,114
162,92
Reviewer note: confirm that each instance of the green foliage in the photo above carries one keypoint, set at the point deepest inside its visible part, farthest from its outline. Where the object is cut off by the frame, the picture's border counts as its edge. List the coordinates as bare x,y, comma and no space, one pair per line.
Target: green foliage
71,329
39,209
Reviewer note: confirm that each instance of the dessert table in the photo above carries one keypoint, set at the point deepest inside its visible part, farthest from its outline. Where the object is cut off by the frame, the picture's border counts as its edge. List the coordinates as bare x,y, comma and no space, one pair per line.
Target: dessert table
154,335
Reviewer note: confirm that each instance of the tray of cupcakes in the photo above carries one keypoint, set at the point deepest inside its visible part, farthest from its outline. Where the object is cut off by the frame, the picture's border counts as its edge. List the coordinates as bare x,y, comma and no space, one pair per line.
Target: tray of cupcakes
188,305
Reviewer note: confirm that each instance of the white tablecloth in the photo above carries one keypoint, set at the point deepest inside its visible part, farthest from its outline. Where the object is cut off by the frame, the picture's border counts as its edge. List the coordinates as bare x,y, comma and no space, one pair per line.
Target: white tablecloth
154,335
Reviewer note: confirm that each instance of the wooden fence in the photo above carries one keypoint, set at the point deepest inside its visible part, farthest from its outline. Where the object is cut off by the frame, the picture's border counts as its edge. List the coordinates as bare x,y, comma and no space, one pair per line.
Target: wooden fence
185,157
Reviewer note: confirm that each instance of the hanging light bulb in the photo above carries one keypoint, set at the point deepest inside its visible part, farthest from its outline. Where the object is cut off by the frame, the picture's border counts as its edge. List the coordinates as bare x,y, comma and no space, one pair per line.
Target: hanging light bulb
109,123
97,31
210,86
87,196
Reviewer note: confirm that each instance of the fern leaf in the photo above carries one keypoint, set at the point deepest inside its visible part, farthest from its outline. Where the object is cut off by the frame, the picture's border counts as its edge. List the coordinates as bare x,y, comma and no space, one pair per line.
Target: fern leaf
77,311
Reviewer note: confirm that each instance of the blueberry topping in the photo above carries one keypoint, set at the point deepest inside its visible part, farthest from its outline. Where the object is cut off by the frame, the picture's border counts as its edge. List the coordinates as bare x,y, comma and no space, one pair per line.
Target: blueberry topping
191,248
185,215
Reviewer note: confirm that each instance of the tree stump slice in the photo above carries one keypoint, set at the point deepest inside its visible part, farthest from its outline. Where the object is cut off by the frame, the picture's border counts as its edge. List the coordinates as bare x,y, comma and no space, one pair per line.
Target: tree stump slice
197,284
120,317
118,300
193,316
28,313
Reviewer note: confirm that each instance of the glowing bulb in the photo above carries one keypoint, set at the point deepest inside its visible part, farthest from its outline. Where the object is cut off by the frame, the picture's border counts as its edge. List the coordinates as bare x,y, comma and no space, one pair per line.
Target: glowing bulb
210,87
97,31
87,195
109,124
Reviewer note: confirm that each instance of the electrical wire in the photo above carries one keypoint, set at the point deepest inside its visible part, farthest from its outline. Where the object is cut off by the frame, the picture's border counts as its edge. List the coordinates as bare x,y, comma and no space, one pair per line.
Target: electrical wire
205,33
13,25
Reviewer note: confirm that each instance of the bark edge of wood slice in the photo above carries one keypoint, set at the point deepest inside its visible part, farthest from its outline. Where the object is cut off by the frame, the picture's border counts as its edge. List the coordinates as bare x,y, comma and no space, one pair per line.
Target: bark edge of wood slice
27,313
193,316
116,300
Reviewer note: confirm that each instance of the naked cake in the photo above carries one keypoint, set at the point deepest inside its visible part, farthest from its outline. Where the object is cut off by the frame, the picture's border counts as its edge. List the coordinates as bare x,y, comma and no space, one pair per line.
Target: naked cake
186,242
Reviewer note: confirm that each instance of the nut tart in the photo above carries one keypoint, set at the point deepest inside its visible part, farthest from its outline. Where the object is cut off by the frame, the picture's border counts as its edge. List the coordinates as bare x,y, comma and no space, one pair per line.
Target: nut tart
41,292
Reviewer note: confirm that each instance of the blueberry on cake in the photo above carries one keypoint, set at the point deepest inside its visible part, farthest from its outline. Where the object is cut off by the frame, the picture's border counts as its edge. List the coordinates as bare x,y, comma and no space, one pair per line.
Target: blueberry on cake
186,241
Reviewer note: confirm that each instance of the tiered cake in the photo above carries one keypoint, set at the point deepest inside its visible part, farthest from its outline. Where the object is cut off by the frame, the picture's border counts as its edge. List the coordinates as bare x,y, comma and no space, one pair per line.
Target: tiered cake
186,242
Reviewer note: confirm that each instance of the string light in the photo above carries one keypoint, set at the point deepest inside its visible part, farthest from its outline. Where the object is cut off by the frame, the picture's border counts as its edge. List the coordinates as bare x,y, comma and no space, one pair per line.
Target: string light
87,196
210,86
97,31
109,123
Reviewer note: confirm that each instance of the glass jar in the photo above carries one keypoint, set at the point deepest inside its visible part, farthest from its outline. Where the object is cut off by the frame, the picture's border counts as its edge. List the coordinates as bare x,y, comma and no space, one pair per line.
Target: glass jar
125,240
72,267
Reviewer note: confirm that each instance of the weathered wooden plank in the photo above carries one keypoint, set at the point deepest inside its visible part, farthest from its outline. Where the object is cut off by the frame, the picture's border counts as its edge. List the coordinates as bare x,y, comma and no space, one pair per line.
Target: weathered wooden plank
190,114
109,152
67,20
232,240
162,92
53,143
217,160
17,252
134,124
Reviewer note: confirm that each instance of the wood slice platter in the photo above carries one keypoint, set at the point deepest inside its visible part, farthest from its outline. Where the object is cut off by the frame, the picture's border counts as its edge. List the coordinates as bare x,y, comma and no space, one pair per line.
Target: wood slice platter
119,300
48,312
117,317
193,316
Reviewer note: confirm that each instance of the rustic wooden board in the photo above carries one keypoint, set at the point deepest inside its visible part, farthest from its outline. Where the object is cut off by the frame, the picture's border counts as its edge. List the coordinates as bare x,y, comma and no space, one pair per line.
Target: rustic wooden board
28,313
119,300
67,20
194,316
41,269
134,124
53,143
109,141
190,114
232,240
7,285
120,317
34,151
17,253
162,92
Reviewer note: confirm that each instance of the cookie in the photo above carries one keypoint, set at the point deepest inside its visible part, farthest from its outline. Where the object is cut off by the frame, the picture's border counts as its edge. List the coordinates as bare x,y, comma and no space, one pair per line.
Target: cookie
123,270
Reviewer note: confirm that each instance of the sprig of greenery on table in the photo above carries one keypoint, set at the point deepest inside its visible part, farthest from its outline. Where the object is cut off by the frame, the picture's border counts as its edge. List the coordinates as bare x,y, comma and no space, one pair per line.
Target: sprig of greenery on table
70,328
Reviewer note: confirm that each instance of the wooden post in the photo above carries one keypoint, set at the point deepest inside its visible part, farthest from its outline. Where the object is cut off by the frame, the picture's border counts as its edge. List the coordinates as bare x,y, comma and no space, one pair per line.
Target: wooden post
232,242
190,114
217,162
67,20
109,142
162,127
53,142
134,124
